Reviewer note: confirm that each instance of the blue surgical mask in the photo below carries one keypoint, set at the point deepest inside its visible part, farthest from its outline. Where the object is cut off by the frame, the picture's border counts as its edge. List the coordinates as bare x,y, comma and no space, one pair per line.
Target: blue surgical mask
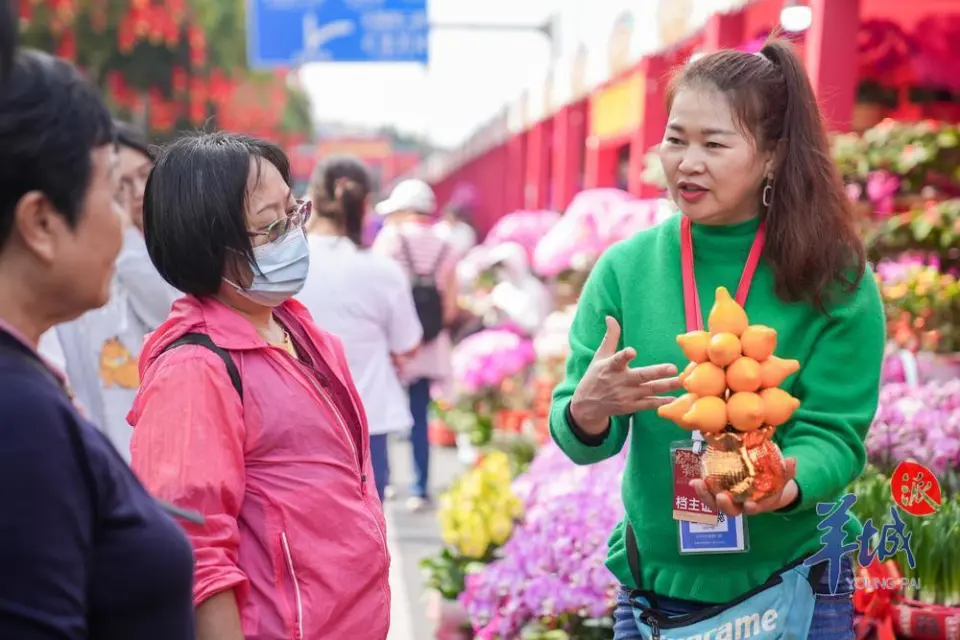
280,270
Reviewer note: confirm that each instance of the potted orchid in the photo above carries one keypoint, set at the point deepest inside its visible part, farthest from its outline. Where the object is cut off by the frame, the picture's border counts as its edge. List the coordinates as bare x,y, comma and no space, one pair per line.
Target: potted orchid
920,423
550,580
922,306
477,516
920,156
490,373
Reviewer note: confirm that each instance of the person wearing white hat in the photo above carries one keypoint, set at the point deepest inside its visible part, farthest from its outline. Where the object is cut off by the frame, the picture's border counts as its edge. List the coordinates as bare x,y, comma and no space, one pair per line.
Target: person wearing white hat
410,237
409,196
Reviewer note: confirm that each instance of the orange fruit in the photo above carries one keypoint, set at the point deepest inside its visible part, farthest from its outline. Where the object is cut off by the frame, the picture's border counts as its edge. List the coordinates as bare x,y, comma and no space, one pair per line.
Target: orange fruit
677,409
743,375
686,371
706,379
694,345
778,406
758,342
708,414
723,349
745,411
727,316
774,370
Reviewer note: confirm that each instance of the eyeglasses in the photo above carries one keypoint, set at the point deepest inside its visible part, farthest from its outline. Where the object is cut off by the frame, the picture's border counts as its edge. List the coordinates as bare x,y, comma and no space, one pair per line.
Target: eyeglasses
280,228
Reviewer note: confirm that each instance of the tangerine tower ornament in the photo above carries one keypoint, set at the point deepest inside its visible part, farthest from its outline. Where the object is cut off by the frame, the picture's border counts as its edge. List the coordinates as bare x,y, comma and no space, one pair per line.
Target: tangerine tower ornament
734,399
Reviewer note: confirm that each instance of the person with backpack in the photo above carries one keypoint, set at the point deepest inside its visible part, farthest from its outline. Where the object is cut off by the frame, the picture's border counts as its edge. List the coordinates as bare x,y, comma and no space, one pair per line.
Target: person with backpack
247,412
410,237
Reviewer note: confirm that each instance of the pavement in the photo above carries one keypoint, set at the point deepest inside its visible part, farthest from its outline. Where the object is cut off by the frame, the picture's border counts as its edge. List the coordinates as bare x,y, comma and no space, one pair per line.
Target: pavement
411,537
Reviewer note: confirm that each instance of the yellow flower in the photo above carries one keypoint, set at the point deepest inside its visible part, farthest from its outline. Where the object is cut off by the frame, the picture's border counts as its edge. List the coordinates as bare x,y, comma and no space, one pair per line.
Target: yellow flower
500,528
450,535
473,543
515,507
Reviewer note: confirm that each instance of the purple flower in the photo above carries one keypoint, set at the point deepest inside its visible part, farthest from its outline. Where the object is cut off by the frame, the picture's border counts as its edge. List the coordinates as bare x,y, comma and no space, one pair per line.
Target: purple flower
920,423
485,359
554,562
882,186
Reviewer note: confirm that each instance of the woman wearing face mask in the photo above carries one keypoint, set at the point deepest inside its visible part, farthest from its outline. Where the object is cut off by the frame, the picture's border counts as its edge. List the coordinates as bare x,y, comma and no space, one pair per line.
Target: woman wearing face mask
246,410
747,162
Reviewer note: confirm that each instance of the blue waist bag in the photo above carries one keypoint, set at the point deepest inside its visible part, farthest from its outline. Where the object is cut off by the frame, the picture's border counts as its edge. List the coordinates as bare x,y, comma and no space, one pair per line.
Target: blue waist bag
782,607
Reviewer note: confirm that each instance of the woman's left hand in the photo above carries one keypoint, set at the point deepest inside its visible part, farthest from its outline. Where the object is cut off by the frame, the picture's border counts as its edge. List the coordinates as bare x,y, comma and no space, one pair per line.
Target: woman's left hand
724,503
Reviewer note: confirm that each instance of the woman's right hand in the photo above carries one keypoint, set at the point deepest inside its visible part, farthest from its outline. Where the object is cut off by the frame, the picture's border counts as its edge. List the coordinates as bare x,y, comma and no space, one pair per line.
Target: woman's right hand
611,388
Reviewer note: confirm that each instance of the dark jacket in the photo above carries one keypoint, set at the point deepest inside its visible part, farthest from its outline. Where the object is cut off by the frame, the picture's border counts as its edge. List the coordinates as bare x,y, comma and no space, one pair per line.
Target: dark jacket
85,552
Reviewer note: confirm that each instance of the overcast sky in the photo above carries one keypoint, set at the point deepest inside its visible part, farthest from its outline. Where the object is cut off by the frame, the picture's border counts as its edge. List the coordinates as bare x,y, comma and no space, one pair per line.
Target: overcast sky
471,74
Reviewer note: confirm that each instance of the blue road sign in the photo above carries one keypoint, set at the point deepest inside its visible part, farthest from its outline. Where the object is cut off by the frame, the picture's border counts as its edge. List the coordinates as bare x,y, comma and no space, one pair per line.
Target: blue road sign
284,33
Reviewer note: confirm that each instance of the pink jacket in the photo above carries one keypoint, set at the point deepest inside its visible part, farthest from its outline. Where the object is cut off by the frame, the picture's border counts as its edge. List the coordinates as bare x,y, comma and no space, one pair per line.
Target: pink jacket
293,522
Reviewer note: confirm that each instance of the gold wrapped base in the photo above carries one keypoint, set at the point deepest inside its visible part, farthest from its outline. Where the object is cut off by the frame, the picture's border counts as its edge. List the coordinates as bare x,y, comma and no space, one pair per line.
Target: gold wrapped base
749,466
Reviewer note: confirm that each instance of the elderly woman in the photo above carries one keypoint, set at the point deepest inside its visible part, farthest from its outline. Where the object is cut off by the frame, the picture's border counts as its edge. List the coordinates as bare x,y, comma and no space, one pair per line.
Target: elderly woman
85,551
247,412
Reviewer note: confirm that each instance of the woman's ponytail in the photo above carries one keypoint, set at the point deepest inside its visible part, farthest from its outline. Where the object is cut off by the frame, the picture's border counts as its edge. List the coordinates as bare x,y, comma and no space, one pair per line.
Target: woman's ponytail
339,189
812,237
353,202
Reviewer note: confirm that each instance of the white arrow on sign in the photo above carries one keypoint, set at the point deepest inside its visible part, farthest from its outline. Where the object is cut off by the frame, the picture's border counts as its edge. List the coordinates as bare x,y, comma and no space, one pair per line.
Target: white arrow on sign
315,37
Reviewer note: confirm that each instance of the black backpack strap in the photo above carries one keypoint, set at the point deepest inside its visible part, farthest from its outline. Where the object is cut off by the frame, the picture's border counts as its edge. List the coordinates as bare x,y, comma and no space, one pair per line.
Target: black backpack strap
203,340
633,555
406,253
439,261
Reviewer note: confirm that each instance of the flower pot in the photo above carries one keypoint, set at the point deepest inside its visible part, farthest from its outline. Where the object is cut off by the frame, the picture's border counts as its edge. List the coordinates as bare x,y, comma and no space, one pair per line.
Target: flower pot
867,115
441,435
922,621
509,420
468,454
449,617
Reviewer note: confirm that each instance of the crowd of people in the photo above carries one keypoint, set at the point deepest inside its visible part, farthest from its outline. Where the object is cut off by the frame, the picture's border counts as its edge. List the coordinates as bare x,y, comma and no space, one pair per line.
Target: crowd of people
201,369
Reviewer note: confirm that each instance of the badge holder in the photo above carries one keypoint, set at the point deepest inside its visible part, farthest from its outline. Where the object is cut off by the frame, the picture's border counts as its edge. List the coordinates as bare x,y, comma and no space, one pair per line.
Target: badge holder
700,528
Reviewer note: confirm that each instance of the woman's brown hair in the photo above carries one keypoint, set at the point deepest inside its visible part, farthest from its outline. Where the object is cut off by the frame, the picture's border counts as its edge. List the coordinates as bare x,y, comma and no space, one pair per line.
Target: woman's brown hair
812,241
339,188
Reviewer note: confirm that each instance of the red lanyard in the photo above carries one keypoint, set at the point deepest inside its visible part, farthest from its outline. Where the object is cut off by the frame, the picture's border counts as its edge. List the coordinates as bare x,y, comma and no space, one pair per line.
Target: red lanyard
691,299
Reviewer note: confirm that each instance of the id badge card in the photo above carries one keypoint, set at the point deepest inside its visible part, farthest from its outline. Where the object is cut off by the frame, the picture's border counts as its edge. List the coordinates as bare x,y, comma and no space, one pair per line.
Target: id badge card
700,528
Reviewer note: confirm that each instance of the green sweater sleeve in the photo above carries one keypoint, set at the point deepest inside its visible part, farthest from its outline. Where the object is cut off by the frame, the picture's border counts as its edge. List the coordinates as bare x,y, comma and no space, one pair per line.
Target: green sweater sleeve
838,388
600,298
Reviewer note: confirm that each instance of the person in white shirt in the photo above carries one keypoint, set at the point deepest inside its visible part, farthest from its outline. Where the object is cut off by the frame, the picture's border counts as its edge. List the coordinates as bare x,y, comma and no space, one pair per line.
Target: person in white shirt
454,228
410,238
99,351
362,298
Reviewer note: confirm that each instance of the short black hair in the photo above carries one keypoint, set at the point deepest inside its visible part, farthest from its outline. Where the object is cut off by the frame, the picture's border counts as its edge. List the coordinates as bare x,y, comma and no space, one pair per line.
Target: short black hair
51,118
194,207
8,38
129,135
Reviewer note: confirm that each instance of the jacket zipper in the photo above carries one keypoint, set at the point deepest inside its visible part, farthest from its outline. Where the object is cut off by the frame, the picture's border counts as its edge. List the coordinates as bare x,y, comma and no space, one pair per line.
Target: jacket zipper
296,583
343,427
363,478
356,455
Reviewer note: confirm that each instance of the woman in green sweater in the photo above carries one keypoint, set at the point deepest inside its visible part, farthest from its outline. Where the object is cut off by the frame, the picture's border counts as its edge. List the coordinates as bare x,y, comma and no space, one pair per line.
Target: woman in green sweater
744,150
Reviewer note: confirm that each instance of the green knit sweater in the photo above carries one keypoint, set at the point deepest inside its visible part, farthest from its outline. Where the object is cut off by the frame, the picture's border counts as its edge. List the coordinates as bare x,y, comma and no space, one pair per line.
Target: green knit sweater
638,282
